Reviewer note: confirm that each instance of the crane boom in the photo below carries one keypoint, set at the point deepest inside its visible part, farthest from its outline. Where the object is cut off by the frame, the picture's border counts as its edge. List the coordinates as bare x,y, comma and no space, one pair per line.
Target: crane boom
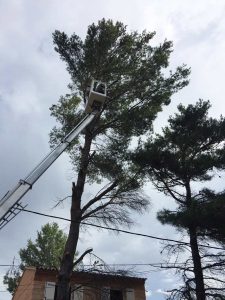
10,204
11,199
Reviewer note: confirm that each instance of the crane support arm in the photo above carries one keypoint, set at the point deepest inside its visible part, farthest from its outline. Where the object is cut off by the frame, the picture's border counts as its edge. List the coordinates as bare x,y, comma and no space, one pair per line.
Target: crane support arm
9,202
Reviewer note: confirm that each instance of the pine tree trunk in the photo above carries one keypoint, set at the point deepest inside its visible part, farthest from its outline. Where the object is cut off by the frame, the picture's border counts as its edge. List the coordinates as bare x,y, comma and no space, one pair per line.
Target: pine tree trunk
199,279
67,263
66,267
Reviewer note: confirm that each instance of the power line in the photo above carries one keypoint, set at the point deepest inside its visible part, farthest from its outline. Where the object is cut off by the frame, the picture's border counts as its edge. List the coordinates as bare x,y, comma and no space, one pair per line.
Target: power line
118,230
120,264
123,264
9,265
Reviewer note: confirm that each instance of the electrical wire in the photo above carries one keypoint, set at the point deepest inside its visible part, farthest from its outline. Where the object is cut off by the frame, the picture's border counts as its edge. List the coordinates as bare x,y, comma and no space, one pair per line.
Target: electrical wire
118,230
123,264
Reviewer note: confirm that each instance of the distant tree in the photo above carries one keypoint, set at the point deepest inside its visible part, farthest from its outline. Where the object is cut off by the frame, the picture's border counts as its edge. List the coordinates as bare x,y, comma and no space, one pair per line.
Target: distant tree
11,279
188,151
45,252
137,89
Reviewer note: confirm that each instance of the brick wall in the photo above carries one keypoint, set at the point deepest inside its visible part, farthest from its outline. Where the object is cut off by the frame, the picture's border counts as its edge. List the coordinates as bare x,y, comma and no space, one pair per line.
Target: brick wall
33,281
26,284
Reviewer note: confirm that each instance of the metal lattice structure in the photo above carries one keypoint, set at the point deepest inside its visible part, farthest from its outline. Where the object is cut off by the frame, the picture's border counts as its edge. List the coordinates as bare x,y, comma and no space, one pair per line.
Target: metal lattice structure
12,213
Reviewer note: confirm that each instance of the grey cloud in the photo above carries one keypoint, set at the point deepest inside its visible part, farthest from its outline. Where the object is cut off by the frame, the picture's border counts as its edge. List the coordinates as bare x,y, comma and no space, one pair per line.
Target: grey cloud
32,77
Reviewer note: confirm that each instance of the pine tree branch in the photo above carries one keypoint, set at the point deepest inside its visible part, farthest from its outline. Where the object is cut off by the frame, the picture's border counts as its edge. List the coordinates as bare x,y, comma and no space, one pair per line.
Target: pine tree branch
99,197
82,256
168,189
100,207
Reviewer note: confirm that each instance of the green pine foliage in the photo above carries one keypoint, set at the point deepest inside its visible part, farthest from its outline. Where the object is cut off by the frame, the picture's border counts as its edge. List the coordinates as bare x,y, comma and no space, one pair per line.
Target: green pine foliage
188,150
137,89
207,215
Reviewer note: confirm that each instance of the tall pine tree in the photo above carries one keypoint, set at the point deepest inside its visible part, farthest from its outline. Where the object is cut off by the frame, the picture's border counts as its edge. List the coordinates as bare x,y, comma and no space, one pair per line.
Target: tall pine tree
189,150
137,89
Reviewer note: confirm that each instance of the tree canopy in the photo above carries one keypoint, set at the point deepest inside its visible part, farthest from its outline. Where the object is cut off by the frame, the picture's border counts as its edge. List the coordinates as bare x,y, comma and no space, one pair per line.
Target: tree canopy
136,88
188,150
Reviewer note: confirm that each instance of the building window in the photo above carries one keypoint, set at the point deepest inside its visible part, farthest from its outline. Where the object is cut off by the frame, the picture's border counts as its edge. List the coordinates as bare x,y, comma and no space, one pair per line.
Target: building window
130,294
116,295
49,290
112,294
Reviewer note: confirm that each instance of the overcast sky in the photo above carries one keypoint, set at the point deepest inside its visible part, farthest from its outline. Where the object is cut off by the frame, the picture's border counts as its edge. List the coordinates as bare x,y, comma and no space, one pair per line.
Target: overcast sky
32,78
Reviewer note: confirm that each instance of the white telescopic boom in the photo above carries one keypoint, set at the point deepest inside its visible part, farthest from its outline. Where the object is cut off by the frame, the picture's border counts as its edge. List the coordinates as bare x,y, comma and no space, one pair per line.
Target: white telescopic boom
10,202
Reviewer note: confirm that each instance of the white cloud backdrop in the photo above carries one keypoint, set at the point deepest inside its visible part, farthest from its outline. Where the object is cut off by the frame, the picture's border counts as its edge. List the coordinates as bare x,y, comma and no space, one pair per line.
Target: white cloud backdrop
32,77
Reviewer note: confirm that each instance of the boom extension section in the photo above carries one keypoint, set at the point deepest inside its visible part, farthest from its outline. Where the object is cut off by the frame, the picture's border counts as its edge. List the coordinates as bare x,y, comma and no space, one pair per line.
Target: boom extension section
10,204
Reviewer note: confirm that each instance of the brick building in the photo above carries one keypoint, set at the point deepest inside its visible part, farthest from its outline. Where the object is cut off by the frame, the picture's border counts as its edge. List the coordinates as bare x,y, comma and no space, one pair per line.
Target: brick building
39,284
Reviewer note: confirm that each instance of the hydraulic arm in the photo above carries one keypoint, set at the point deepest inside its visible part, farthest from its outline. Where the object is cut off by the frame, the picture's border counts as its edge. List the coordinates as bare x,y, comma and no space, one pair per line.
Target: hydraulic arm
10,204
